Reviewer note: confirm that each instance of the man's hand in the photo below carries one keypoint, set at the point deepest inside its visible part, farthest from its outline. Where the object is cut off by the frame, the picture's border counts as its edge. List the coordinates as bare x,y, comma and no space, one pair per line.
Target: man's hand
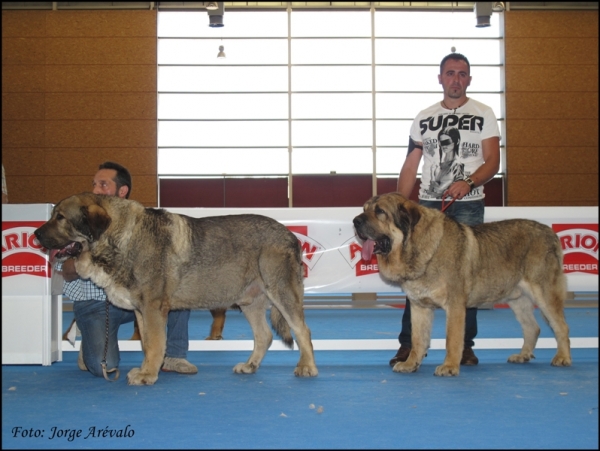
457,190
68,270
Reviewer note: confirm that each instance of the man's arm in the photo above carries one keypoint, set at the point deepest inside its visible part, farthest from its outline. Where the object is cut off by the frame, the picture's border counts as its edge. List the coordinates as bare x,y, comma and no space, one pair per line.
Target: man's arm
490,148
408,173
68,271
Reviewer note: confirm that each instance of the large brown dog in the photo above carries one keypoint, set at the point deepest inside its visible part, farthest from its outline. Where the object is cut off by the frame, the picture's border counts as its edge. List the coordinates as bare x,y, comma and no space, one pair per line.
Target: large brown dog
152,261
439,262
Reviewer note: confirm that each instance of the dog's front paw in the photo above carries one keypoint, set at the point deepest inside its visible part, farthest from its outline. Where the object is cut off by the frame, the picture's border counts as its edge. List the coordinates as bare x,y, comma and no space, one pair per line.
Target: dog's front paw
405,367
520,358
559,360
137,377
245,368
306,371
447,370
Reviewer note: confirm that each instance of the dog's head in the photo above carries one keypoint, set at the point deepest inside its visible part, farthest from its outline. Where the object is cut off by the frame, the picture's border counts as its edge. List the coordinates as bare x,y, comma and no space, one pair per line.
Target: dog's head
76,223
387,219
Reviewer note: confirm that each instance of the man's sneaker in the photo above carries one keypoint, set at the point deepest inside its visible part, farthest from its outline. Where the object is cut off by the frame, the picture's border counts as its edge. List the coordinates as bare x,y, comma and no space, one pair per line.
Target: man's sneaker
469,358
401,355
179,366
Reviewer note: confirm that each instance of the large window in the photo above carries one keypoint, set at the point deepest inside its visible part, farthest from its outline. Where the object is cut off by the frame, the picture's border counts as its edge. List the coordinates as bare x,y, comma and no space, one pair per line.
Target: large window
308,92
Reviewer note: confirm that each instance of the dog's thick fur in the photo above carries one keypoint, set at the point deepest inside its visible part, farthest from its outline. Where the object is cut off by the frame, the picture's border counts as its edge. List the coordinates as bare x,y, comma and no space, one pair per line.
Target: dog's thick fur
153,261
439,262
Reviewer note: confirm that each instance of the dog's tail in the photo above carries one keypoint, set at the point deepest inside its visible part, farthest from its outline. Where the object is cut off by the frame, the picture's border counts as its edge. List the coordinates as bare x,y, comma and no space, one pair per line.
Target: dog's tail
281,327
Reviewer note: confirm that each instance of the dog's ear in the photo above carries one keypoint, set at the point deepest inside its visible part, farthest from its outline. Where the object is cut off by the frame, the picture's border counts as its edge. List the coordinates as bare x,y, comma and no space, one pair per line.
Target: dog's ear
414,214
406,218
95,221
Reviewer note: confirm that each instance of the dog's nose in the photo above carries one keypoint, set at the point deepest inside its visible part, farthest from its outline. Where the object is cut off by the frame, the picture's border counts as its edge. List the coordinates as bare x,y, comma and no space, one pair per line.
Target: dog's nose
357,221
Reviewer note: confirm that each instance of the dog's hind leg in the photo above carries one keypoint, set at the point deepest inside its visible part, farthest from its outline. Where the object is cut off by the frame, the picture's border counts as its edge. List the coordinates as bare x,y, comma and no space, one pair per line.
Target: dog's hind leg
218,323
523,309
289,303
152,321
284,286
255,314
295,318
551,305
136,335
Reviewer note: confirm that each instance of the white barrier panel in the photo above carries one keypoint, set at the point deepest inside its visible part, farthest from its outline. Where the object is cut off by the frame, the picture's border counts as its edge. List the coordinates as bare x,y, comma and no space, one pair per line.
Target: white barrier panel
31,314
32,305
332,253
32,311
350,344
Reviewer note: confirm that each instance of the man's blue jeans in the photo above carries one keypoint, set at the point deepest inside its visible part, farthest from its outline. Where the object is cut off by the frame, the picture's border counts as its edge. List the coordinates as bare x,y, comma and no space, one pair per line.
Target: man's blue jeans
91,320
470,213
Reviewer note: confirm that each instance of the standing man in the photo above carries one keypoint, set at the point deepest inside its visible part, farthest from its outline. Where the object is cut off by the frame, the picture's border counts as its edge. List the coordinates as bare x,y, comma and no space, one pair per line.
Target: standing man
466,131
89,301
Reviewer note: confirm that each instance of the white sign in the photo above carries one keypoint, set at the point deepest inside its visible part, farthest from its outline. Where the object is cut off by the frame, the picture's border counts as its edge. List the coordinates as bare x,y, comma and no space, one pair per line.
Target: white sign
332,253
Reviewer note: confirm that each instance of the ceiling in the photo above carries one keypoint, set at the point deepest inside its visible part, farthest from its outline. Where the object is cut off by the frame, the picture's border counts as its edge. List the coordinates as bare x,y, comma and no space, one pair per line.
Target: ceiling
455,6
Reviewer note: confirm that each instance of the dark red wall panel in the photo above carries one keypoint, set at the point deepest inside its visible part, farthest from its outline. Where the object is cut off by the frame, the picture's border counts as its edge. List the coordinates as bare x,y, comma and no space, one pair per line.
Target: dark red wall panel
256,193
190,193
309,191
331,190
230,193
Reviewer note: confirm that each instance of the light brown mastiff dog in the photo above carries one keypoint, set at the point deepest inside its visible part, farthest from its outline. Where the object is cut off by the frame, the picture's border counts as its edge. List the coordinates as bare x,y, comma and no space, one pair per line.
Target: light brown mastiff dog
152,261
439,262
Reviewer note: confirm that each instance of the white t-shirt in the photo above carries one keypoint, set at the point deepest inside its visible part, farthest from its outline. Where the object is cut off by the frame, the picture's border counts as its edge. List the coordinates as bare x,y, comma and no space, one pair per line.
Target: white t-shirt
452,145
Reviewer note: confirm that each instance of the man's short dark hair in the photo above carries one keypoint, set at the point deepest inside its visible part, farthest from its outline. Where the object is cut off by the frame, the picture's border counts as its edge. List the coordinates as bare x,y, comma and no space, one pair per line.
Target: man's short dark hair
123,177
456,57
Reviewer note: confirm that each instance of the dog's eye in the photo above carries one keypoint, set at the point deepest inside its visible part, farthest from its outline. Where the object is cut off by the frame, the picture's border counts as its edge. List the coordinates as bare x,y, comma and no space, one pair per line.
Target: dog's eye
59,217
379,211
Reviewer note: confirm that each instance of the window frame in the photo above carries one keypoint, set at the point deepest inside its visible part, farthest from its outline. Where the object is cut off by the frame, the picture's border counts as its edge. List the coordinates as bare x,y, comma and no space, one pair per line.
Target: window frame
382,148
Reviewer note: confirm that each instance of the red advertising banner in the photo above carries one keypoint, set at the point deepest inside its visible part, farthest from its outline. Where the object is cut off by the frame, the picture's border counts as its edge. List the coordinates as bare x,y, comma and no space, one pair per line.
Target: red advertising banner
580,247
21,252
311,250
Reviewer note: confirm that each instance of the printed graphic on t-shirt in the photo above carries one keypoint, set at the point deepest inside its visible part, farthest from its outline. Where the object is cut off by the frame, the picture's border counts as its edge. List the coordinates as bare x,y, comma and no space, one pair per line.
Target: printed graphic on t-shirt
470,150
430,146
463,122
451,150
446,167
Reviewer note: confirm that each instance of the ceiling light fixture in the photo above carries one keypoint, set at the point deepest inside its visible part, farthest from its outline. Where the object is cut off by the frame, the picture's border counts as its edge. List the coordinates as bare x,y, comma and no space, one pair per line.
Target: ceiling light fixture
483,12
499,7
215,16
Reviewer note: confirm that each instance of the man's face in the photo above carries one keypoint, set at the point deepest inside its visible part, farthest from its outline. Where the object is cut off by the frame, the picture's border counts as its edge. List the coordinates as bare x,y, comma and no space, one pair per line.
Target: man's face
104,183
455,78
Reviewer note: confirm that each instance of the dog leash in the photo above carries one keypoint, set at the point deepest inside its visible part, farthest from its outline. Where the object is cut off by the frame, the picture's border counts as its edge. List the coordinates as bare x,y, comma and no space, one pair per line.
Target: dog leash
444,205
103,363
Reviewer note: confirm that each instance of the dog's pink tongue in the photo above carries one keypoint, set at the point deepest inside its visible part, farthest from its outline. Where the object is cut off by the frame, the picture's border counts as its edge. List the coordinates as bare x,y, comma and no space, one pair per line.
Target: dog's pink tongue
53,253
367,250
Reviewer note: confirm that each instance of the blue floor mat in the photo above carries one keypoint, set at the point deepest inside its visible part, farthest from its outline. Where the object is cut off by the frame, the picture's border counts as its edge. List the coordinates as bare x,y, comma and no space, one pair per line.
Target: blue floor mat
356,402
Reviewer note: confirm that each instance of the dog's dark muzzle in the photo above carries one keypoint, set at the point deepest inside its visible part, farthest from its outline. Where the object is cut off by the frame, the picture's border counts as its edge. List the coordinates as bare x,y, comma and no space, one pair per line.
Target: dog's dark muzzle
57,251
359,223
